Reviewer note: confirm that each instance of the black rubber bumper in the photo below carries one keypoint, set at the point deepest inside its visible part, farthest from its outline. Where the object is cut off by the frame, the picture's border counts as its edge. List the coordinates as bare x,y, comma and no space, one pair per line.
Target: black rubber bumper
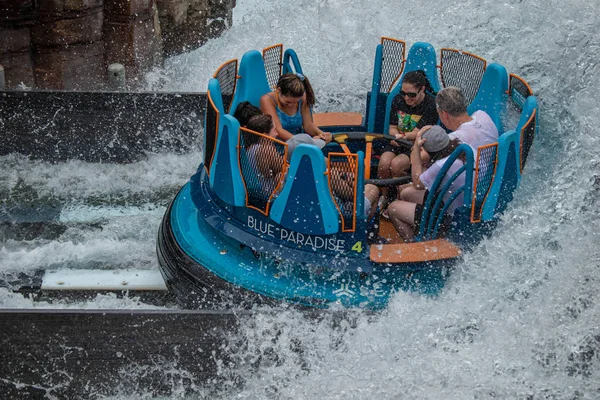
192,284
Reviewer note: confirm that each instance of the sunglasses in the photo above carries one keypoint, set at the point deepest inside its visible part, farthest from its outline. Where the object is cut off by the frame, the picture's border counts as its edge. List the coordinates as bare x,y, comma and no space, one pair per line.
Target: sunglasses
409,94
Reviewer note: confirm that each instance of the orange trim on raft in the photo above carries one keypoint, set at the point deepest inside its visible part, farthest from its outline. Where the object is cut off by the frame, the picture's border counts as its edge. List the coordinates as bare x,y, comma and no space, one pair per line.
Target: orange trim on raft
283,170
344,147
383,39
212,156
463,52
448,49
438,249
517,77
338,119
352,161
272,47
367,160
388,232
234,83
224,65
532,118
479,149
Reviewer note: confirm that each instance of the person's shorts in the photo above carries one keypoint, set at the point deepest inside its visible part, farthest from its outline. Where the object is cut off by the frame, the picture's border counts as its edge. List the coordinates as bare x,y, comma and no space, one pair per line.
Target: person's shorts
381,146
419,214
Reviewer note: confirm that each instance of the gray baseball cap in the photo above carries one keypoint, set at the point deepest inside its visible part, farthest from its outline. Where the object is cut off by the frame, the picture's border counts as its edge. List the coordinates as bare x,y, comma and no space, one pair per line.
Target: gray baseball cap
436,139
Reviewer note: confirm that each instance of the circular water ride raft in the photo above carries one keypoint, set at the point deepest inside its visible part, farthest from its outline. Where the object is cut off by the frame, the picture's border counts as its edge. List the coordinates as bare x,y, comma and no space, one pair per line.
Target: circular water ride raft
233,236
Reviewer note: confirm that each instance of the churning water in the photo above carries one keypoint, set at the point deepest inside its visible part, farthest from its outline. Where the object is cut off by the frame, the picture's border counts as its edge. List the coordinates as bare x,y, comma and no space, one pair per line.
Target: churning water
518,319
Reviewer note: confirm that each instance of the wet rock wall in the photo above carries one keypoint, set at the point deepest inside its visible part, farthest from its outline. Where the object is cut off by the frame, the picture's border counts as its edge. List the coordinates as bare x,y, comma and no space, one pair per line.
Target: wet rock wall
68,44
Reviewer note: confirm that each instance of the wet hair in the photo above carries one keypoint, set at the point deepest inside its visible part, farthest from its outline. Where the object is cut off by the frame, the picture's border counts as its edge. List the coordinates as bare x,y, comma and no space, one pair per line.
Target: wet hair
262,123
244,111
295,85
446,151
452,100
418,79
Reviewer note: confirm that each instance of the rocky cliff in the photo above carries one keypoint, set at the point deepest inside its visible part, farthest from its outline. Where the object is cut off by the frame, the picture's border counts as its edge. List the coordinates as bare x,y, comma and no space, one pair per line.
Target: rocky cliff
68,44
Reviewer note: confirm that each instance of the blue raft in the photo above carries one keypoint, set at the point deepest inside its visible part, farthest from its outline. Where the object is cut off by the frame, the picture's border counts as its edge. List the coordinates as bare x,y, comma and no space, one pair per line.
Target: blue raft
232,237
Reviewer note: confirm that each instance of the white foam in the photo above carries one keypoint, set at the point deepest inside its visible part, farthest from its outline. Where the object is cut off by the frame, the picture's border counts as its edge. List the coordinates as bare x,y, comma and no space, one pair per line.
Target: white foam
521,311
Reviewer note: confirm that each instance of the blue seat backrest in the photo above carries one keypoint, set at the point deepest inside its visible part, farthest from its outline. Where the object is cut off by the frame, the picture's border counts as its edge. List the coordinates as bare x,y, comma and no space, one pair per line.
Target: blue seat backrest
421,56
291,63
492,94
212,120
225,174
508,168
215,95
252,83
506,178
529,107
305,203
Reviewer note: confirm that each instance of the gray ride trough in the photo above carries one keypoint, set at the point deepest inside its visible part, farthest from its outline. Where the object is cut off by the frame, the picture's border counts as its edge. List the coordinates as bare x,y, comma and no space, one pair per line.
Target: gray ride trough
71,354
81,353
117,127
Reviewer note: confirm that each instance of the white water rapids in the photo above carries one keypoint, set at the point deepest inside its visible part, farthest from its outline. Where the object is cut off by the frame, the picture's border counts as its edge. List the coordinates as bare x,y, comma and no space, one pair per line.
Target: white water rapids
518,319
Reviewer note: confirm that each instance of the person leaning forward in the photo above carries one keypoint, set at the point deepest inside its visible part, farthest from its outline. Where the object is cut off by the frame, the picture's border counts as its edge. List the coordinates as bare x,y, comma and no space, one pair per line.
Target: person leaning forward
405,214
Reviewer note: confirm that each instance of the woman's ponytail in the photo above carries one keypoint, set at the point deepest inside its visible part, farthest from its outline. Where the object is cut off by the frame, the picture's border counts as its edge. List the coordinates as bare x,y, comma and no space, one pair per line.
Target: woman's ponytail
296,85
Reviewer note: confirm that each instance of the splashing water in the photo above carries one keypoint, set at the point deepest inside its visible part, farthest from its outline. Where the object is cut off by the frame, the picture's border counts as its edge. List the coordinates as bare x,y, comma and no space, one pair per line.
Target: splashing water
518,318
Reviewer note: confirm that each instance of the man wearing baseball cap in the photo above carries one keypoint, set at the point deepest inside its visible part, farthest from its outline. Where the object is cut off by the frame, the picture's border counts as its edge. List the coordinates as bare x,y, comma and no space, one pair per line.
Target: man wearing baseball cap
406,213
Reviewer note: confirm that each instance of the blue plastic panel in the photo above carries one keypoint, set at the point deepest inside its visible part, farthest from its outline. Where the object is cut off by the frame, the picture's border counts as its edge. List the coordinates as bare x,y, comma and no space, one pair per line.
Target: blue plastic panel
428,226
371,117
492,94
291,63
305,204
225,174
507,175
215,93
529,107
252,83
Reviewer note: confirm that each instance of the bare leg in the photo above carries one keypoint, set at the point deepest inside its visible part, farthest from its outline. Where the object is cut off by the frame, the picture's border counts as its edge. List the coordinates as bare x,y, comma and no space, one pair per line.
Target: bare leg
401,188
383,170
400,165
402,215
372,193
413,195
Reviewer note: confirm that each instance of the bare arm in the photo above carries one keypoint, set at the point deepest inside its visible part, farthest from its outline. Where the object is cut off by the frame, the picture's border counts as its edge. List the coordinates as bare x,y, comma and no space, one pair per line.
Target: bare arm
416,167
267,106
416,161
309,125
393,131
412,135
